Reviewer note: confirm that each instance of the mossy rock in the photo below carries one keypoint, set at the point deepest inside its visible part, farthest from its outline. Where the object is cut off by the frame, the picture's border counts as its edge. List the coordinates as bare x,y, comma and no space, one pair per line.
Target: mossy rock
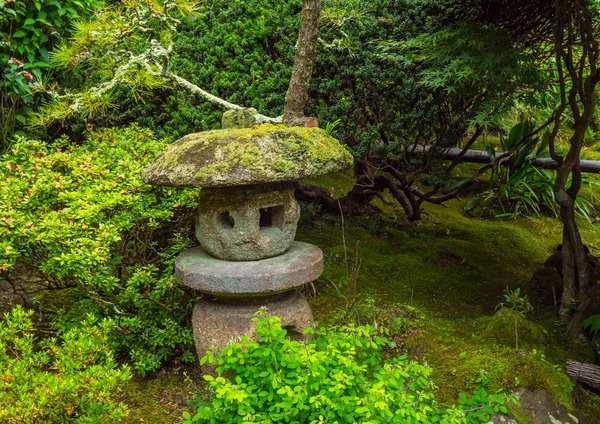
501,329
243,118
242,156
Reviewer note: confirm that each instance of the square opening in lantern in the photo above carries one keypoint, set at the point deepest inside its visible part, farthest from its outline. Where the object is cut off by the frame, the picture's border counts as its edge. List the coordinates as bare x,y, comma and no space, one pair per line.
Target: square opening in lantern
271,217
226,221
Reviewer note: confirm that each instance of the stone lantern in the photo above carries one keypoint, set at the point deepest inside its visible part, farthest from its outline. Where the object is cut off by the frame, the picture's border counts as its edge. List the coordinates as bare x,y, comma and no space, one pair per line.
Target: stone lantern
246,223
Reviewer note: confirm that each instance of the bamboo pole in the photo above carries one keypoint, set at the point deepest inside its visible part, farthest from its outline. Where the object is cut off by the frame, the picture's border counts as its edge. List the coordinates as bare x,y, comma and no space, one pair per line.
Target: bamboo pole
480,156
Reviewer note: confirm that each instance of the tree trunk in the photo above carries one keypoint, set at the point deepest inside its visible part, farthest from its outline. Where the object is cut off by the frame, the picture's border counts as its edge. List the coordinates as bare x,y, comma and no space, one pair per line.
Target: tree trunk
569,274
576,52
306,51
587,375
576,272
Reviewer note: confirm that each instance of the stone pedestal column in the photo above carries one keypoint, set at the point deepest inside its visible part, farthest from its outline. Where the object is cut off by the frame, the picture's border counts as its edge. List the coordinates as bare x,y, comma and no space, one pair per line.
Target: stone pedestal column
234,291
216,323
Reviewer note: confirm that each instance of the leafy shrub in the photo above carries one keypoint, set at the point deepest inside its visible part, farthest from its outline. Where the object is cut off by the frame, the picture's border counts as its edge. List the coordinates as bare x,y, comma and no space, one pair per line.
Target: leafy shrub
522,189
80,216
71,380
115,51
240,51
337,375
28,31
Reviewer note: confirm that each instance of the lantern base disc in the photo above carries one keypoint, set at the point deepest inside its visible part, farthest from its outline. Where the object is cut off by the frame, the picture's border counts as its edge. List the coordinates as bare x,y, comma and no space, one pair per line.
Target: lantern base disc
301,264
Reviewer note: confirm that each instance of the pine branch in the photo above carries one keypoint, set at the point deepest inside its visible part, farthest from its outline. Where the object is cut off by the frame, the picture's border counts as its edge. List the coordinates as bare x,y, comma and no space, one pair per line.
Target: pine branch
154,61
146,60
192,88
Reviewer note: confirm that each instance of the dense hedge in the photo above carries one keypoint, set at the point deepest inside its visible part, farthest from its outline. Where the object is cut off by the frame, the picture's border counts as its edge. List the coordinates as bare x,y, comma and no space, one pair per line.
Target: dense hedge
51,381
243,51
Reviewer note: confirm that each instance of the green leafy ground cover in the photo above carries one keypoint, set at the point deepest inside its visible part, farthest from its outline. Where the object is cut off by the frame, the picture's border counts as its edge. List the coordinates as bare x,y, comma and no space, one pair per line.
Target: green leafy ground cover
341,374
72,380
79,218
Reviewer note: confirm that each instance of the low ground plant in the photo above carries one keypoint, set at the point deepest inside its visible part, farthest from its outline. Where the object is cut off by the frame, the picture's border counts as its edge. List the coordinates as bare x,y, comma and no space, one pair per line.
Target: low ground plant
73,379
346,374
517,305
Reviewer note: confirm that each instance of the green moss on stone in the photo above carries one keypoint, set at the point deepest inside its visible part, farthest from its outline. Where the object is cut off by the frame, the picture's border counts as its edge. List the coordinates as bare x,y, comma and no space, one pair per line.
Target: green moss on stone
501,329
518,415
262,154
282,165
238,118
339,184
207,171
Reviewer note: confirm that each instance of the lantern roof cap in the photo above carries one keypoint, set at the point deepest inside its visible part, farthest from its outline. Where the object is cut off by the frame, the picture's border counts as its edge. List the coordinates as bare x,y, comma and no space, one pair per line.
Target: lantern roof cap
246,156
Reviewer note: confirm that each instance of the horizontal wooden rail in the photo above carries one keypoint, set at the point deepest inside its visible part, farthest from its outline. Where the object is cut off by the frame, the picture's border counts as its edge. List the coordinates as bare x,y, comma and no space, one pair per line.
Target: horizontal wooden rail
480,156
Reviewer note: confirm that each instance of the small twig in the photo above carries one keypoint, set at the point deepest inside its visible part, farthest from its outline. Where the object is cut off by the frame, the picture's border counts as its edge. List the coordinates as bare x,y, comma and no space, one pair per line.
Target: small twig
343,235
353,283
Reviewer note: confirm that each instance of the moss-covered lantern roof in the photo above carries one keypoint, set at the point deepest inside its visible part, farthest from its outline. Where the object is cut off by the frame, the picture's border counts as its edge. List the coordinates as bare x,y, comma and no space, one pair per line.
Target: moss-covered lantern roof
242,156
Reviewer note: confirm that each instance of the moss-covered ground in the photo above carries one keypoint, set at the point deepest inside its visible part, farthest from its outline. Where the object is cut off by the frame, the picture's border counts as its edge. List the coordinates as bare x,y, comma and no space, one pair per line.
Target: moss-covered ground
450,271
453,269
162,397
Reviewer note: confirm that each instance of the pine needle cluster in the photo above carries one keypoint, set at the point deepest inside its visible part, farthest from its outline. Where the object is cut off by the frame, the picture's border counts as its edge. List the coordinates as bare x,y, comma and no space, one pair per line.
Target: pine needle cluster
124,46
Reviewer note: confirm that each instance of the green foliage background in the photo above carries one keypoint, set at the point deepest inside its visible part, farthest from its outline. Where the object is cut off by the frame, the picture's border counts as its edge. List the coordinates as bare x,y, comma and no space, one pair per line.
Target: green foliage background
29,29
75,215
383,67
243,52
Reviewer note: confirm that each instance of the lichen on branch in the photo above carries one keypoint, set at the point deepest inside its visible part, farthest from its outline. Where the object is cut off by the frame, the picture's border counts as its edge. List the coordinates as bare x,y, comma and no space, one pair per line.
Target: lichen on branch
123,46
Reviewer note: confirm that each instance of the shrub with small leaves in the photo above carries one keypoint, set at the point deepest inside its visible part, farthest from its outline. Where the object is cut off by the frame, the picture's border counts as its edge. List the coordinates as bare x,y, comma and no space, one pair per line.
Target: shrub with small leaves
80,216
337,375
71,380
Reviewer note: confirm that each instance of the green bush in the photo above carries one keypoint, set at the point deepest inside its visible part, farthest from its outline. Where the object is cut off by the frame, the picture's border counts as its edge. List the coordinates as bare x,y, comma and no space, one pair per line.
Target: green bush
241,51
80,216
67,381
337,375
